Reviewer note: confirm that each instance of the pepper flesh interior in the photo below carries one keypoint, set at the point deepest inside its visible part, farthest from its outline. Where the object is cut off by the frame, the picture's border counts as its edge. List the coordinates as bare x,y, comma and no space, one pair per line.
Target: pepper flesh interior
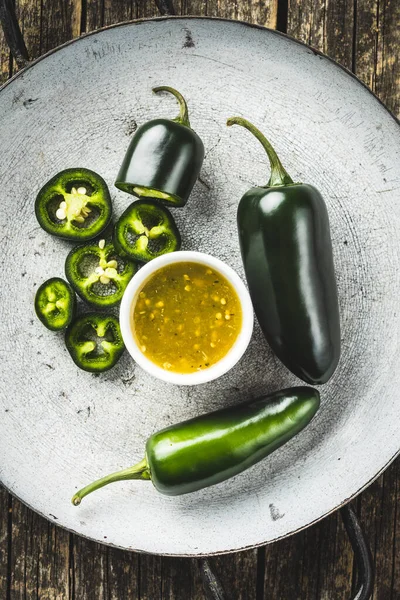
74,206
152,193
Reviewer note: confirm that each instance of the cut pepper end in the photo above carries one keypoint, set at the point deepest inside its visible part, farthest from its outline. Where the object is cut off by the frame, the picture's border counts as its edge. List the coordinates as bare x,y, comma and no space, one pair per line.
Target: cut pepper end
146,192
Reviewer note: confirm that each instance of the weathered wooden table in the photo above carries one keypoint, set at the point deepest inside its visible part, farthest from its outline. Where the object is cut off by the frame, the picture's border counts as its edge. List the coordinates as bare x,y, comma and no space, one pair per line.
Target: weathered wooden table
38,560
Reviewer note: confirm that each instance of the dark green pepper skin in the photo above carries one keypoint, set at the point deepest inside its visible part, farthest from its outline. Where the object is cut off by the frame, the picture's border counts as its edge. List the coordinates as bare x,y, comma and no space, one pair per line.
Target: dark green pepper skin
163,160
86,214
55,304
87,266
146,230
286,249
211,448
287,256
216,446
87,332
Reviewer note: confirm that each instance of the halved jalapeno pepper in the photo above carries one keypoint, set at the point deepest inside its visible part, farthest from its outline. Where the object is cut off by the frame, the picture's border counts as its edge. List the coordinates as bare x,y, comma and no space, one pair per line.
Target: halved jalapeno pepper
94,342
164,158
75,205
146,230
55,304
98,274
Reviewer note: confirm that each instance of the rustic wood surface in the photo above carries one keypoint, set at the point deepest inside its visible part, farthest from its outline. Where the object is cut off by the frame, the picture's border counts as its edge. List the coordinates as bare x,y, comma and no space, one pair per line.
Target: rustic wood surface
38,560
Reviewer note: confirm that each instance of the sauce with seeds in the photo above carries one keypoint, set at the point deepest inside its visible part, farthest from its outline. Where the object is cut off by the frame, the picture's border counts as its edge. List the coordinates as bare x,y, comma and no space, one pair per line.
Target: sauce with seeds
187,317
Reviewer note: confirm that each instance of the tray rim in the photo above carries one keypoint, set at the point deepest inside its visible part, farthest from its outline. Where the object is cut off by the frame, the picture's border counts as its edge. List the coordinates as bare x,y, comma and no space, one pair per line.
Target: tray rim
141,21
317,52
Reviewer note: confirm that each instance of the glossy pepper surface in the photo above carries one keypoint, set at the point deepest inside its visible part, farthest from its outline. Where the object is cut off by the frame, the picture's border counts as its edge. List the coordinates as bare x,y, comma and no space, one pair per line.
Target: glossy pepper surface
75,205
211,448
164,158
98,273
146,230
286,249
55,304
94,342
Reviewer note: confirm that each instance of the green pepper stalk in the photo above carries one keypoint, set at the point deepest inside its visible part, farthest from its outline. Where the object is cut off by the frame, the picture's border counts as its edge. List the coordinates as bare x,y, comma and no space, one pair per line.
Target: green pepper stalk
287,255
211,448
183,117
146,230
164,158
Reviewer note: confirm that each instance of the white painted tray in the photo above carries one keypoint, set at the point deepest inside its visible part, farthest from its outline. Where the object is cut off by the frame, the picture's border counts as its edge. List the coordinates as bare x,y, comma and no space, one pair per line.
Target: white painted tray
61,427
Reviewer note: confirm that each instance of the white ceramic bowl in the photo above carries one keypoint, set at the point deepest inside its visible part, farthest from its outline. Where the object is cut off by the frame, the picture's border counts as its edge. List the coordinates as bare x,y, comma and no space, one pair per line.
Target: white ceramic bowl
129,300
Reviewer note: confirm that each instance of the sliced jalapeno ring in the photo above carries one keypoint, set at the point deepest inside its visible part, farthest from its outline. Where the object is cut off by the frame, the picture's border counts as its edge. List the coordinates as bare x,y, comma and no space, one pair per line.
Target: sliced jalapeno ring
146,230
75,205
94,342
55,304
98,273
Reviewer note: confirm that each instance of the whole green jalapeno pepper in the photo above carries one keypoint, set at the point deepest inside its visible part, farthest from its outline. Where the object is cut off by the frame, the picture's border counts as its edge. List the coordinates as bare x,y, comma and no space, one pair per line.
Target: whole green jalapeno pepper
98,273
75,204
287,256
211,448
164,158
146,230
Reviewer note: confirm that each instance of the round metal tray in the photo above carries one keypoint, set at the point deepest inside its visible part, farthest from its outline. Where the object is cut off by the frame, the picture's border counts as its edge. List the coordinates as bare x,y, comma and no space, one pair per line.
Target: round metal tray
61,427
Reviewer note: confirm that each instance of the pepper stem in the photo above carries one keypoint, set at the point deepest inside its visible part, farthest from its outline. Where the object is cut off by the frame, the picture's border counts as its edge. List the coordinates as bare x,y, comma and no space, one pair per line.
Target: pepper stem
138,471
279,175
183,117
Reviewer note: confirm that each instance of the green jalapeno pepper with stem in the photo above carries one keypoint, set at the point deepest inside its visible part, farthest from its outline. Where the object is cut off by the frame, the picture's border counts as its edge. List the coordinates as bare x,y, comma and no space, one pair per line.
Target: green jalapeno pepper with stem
164,158
211,448
98,273
55,304
75,205
95,342
146,230
286,249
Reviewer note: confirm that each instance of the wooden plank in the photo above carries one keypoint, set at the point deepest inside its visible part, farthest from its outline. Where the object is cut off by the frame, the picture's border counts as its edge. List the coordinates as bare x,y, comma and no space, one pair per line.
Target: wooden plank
4,59
60,22
379,515
253,11
100,13
89,564
94,15
315,563
366,41
150,577
145,9
117,11
39,557
325,25
194,7
238,574
5,507
178,581
388,59
29,16
122,575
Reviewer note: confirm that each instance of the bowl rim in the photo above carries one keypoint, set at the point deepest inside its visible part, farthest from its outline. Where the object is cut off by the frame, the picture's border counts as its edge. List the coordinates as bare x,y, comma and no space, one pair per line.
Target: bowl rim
233,355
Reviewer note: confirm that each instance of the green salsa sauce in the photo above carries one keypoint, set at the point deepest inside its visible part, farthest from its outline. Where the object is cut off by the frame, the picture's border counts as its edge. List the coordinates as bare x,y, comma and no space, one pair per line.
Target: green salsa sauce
187,317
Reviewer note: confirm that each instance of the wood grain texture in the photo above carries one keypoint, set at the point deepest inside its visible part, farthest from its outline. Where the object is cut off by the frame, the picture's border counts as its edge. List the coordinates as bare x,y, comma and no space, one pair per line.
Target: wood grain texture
47,563
39,557
325,25
5,507
5,59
